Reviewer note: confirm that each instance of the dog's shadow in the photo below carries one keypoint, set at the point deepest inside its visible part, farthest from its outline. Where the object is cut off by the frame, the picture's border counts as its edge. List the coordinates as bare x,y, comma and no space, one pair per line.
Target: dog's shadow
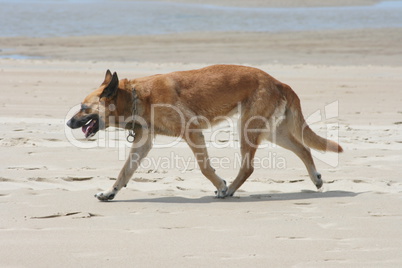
303,195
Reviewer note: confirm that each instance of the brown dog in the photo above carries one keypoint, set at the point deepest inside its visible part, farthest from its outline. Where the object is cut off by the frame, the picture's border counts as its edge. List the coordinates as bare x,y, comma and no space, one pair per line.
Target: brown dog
183,103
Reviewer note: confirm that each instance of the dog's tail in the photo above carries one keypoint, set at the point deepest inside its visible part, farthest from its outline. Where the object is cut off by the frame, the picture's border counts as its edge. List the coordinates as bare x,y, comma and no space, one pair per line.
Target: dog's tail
299,127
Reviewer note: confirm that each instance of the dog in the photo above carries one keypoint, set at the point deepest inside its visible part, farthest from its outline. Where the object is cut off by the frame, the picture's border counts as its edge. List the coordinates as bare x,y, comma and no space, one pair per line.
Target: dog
183,103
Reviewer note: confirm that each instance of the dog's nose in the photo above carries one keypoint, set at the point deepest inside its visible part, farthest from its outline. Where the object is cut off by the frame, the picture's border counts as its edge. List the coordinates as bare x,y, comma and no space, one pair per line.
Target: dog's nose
69,123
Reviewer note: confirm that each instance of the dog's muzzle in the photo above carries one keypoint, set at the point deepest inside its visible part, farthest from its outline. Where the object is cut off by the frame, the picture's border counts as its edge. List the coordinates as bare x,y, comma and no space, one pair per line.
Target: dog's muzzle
89,124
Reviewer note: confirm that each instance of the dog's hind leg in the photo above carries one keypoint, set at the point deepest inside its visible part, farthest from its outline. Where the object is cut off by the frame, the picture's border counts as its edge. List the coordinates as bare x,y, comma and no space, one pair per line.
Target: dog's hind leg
285,139
139,149
197,144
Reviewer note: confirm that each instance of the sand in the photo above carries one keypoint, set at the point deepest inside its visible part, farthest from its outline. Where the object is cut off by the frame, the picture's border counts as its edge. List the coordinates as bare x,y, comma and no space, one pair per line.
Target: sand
341,47
167,216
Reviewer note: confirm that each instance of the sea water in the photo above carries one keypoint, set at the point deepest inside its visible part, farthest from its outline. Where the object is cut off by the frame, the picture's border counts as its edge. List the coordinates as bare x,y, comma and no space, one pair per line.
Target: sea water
48,18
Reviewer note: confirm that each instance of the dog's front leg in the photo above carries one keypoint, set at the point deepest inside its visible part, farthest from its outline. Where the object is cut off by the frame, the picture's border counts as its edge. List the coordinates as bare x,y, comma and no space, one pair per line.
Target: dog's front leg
140,148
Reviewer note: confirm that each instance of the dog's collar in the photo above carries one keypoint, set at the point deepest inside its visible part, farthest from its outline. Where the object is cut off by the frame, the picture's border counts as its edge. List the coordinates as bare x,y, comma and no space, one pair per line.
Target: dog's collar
131,132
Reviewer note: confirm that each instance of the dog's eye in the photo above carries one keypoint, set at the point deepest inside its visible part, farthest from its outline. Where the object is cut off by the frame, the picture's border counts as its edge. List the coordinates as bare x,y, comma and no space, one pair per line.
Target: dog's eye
84,107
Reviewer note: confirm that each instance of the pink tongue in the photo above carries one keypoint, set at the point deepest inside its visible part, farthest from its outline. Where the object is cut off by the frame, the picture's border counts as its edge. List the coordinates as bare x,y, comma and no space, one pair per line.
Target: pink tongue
87,128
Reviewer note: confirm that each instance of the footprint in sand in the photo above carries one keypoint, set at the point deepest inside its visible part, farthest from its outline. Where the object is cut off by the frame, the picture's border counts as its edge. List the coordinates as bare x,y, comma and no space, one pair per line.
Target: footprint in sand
28,168
53,140
141,179
291,238
77,215
77,178
181,188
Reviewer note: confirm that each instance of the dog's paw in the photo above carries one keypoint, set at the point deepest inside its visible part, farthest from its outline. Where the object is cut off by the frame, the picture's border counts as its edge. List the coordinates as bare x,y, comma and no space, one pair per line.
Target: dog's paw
105,196
222,193
318,182
230,192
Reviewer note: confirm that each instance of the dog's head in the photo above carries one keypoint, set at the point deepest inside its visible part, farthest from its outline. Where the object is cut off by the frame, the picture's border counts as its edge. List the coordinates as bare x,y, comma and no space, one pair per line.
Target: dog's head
97,107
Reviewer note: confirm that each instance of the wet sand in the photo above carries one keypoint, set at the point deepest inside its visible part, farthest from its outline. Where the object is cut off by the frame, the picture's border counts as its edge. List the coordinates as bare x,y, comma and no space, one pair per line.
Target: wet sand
357,47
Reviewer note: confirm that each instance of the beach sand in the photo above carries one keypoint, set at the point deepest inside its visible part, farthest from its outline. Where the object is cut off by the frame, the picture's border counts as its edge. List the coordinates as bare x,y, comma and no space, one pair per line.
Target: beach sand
168,216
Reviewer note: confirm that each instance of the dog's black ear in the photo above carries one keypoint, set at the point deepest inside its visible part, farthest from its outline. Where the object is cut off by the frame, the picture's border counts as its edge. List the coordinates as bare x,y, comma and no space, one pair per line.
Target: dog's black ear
111,89
108,77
